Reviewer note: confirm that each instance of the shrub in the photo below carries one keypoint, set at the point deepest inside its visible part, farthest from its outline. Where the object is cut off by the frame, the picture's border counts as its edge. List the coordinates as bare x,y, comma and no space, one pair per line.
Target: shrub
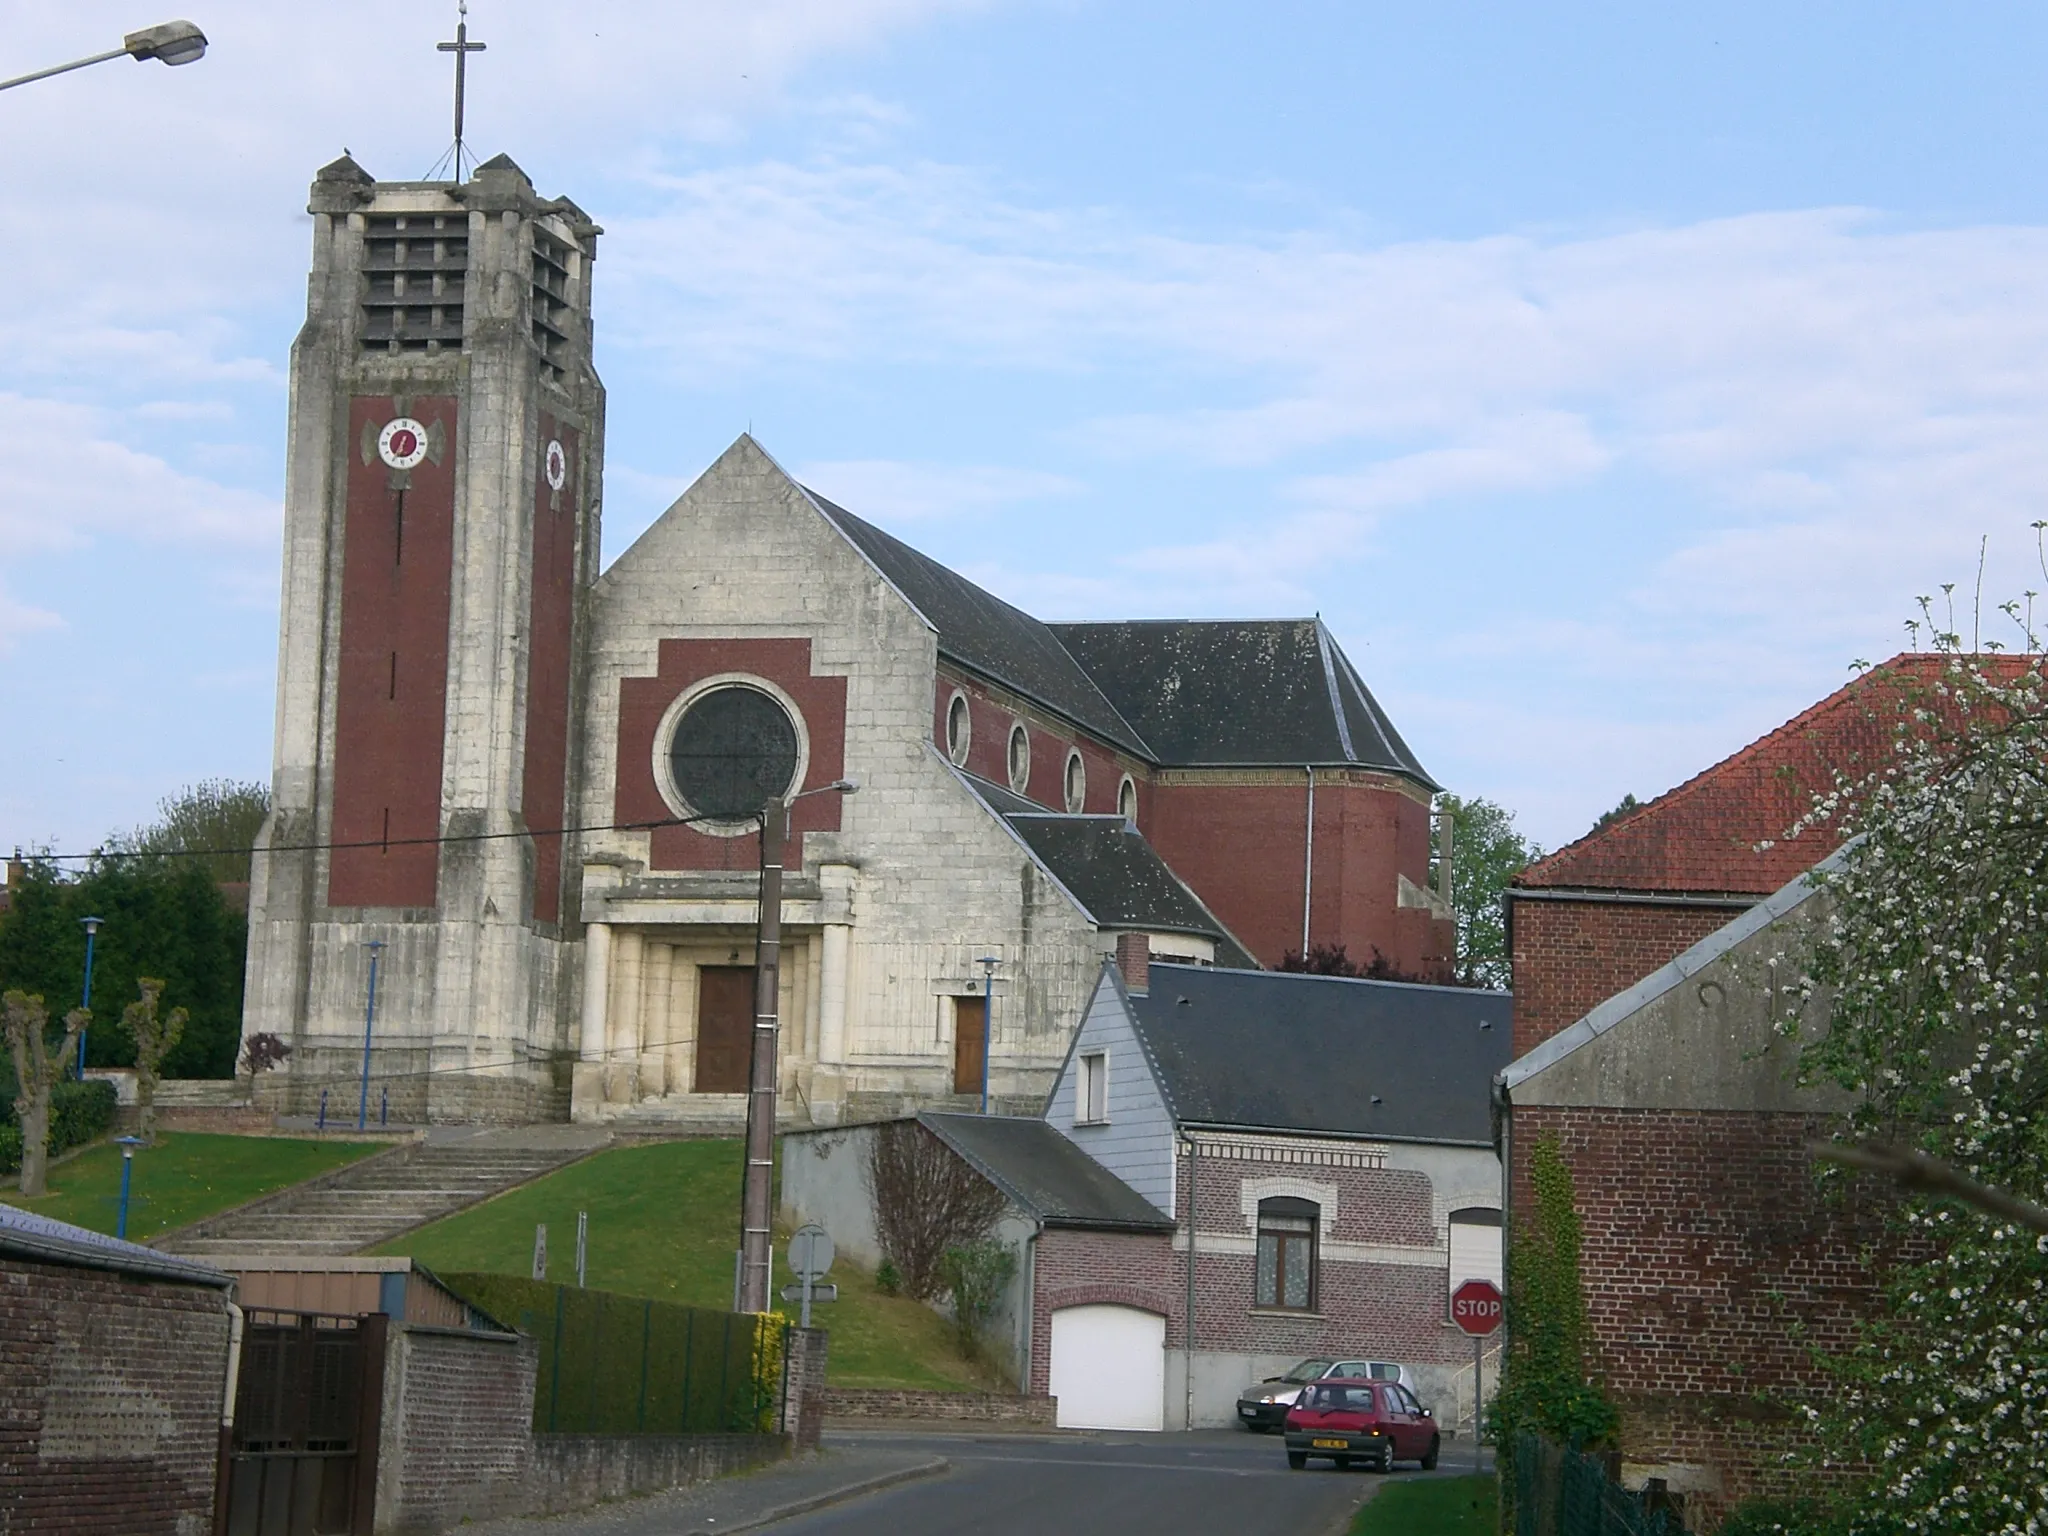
889,1279
975,1273
79,1113
926,1200
1782,1517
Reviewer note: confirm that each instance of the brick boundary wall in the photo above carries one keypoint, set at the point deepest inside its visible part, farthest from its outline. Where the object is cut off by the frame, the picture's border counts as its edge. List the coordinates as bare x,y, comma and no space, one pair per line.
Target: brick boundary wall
958,1407
1712,1264
110,1400
800,1412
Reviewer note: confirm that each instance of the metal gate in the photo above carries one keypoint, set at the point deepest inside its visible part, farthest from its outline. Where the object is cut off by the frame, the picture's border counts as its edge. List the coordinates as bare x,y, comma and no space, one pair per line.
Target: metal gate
308,1407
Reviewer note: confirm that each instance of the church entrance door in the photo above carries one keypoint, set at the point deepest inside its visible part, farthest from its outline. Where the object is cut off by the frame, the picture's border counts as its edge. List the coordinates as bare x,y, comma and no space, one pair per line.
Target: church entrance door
970,1042
725,1028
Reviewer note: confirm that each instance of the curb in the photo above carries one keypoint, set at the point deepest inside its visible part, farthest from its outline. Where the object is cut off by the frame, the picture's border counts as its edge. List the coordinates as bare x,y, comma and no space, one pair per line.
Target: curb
817,1501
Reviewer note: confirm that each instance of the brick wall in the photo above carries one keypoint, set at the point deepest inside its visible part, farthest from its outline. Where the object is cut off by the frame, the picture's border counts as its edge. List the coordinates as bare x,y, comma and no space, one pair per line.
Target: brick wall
1570,956
867,1403
1712,1265
110,1399
458,1412
801,1413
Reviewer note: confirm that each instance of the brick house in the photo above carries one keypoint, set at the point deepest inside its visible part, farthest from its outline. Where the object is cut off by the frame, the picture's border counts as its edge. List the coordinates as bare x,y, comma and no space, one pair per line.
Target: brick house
534,781
1643,974
114,1360
1333,1139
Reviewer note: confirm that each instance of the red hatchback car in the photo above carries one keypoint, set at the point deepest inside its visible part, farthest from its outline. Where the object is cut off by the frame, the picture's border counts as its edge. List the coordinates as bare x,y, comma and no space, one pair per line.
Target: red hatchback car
1376,1422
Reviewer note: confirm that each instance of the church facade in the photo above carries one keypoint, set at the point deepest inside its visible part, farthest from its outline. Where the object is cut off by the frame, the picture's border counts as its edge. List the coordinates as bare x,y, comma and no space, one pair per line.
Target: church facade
526,790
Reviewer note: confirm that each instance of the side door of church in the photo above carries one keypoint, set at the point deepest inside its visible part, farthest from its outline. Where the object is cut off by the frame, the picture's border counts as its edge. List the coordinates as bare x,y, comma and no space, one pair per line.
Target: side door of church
725,1028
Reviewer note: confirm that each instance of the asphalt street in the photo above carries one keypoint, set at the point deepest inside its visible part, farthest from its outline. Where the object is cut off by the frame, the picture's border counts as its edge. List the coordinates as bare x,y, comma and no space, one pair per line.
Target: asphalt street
1224,1482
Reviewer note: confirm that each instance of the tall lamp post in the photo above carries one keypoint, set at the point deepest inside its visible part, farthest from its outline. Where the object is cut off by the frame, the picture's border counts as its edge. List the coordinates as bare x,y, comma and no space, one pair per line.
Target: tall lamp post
91,925
375,947
988,965
128,1144
756,1218
173,42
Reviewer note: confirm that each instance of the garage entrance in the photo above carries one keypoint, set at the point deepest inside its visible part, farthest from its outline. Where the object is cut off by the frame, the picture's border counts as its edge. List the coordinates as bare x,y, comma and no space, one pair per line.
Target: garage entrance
1109,1367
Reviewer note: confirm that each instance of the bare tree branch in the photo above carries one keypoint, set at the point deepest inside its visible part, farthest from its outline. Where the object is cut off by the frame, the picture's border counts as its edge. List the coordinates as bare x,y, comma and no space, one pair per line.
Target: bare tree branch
1916,1170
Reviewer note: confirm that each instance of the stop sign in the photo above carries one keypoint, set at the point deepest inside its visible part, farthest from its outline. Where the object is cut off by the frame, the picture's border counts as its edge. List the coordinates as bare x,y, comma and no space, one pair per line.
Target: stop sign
1476,1307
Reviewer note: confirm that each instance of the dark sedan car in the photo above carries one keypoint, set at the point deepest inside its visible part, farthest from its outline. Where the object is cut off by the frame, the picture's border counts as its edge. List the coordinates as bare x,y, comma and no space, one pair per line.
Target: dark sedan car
1376,1422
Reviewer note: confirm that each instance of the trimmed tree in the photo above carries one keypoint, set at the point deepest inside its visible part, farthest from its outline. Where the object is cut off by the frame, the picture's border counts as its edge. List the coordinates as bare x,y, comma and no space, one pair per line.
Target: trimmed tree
926,1201
25,1022
155,1037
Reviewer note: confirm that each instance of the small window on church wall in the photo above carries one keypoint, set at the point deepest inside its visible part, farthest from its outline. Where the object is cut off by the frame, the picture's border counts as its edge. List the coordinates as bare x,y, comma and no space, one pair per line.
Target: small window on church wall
1077,782
1020,758
959,728
1127,800
734,749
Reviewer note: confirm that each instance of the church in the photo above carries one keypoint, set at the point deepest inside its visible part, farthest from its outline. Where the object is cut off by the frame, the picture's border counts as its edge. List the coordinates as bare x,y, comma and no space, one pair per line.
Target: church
511,870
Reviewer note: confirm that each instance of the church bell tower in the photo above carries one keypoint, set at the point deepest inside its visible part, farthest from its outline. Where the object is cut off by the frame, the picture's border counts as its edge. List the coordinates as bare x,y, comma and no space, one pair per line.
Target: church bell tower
441,535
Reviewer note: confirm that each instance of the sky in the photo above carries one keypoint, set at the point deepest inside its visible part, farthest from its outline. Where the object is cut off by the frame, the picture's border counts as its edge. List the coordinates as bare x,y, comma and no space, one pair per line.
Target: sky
1611,378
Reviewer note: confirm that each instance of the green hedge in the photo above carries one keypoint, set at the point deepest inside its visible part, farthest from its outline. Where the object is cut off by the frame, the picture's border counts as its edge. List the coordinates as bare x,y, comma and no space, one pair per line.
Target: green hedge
612,1364
79,1113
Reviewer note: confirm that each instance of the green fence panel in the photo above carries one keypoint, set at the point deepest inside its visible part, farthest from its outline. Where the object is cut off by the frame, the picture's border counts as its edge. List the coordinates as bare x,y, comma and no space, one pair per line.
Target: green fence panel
1563,1492
621,1365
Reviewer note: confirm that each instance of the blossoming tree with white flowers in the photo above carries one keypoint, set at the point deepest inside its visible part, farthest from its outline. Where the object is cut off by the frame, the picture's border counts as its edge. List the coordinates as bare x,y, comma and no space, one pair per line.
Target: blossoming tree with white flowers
1934,964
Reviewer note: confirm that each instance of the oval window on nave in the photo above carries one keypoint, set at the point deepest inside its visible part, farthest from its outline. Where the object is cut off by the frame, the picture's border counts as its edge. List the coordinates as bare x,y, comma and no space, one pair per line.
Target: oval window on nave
734,749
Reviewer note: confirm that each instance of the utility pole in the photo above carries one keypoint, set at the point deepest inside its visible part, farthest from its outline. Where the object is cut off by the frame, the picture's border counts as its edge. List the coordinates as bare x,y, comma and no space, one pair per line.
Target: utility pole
756,1251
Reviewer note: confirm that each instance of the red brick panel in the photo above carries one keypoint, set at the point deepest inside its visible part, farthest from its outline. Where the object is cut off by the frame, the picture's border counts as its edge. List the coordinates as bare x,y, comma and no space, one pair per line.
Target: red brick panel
550,623
1571,956
642,701
1713,1265
392,684
132,1371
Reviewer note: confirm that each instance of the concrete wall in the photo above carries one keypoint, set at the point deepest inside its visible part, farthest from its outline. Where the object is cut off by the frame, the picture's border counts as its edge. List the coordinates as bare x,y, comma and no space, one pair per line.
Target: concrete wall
110,1409
825,1180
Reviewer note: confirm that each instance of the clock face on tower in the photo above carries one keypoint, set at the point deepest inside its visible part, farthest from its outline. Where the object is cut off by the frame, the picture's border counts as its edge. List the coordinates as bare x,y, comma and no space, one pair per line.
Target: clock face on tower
402,443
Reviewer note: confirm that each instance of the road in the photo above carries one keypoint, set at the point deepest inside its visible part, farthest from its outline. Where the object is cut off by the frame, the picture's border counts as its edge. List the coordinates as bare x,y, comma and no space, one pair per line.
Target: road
1222,1482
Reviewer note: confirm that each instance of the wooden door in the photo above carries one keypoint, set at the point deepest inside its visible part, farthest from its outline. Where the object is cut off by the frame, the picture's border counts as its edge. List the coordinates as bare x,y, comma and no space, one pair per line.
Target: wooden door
725,1028
970,1042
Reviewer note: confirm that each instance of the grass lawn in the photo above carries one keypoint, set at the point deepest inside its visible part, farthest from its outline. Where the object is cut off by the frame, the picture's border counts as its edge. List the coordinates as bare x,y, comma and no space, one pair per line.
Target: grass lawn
664,1221
185,1176
1437,1506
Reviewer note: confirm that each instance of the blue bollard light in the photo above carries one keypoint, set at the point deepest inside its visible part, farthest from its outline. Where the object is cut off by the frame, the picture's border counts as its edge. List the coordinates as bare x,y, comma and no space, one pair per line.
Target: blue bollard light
127,1144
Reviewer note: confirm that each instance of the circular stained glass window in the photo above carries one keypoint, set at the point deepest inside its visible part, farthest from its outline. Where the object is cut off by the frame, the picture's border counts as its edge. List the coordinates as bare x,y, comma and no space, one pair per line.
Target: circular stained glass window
733,750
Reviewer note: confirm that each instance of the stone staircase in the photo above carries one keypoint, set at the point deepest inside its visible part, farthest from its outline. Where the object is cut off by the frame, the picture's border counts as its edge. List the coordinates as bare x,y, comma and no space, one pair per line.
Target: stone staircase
373,1201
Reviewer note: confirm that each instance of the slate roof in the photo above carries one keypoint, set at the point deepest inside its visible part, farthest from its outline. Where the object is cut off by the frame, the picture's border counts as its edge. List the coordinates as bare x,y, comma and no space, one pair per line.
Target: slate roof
1044,1173
982,631
1241,692
1107,865
38,1239
1324,1055
1705,836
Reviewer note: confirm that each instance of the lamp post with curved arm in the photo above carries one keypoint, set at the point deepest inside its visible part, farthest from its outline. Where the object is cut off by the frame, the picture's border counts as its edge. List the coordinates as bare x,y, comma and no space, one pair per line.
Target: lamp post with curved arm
172,42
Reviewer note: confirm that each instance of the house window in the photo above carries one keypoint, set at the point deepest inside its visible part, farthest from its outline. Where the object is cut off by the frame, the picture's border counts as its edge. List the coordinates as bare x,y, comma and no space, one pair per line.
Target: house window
1077,782
1020,758
1287,1253
959,729
1091,1090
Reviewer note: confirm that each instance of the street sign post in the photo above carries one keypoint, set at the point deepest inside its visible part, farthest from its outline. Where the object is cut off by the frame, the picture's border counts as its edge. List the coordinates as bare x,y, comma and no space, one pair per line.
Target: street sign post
1477,1307
810,1260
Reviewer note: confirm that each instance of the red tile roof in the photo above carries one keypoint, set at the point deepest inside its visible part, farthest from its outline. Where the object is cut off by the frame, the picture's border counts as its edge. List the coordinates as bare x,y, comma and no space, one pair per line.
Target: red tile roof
1704,836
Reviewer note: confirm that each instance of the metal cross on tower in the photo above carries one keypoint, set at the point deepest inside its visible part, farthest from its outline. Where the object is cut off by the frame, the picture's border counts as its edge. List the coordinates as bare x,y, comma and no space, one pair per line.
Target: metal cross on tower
462,48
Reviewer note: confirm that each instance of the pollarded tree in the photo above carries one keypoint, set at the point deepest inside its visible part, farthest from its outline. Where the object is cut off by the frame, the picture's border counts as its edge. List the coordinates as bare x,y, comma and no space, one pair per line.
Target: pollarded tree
1933,956
24,1022
155,1037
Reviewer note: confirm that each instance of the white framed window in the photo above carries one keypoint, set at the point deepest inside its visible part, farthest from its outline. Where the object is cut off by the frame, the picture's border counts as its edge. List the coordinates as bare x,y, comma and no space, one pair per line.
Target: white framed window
959,728
1286,1266
1127,800
1020,757
1091,1089
1076,782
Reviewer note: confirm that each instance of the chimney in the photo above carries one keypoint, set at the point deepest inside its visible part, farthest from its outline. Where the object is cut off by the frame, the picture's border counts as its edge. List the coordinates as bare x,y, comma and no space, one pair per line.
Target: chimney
1134,959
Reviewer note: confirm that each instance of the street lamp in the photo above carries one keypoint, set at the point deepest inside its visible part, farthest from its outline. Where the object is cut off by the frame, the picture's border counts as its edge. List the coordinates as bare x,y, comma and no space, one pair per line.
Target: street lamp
375,947
756,1255
174,42
91,925
127,1144
988,965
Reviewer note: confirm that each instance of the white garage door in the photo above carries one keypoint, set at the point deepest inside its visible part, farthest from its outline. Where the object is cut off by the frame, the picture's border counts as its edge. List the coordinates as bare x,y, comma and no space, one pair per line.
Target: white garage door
1109,1367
